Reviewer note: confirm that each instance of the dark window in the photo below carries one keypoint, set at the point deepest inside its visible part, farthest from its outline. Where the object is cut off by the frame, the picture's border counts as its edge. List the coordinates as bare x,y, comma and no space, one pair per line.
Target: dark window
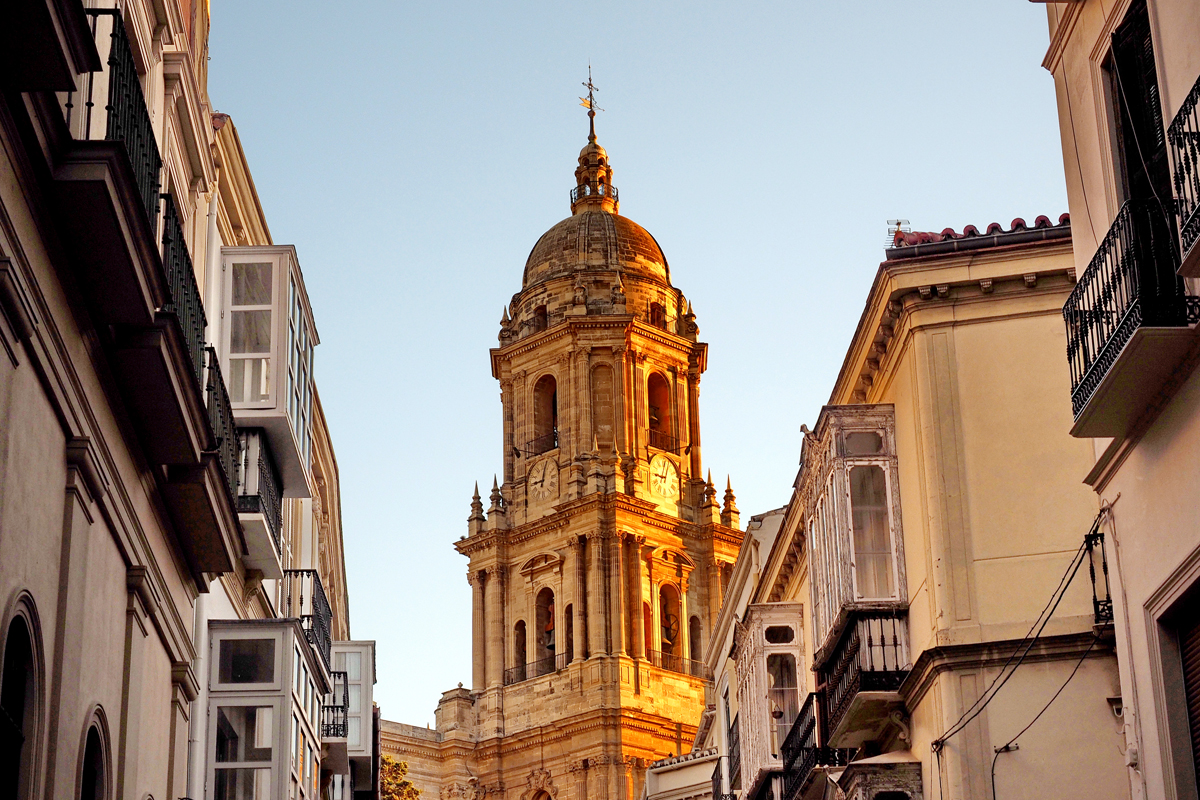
1141,142
540,318
779,634
1189,652
568,644
545,415
247,661
658,316
545,644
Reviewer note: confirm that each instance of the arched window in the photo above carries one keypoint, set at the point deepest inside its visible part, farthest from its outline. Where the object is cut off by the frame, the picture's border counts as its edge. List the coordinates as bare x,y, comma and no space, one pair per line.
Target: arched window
92,784
519,659
696,654
658,394
658,315
603,405
540,318
668,617
648,625
569,634
545,644
783,699
18,703
545,416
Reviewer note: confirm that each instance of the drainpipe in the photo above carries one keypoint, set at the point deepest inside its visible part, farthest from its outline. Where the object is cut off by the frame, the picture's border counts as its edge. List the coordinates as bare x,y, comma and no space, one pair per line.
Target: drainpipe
198,724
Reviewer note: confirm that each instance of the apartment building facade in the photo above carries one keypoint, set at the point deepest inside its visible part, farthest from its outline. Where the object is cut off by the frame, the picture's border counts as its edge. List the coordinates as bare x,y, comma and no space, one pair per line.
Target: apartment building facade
1127,77
170,540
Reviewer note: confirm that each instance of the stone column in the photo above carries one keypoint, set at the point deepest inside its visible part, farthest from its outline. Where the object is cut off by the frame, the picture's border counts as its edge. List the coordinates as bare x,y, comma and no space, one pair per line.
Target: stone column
506,403
579,773
693,393
639,620
583,363
596,609
617,592
621,403
580,605
478,640
494,616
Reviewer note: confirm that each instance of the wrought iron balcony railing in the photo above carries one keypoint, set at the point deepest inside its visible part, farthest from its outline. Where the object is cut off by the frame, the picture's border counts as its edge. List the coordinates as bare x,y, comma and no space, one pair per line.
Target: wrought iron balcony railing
587,190
674,663
125,118
1130,283
661,440
1183,137
871,655
540,444
220,416
185,301
534,669
305,599
735,756
260,489
801,753
336,707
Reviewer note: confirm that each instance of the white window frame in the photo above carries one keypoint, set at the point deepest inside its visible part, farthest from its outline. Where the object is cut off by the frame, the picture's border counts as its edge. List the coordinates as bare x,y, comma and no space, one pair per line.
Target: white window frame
241,699
226,634
883,462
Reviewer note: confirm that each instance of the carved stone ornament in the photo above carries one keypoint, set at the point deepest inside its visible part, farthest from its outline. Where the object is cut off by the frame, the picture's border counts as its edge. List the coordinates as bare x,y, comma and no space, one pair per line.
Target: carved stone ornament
539,780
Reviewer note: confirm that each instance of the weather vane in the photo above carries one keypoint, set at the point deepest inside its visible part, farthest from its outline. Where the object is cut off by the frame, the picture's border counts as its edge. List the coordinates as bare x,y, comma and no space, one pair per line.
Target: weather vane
589,103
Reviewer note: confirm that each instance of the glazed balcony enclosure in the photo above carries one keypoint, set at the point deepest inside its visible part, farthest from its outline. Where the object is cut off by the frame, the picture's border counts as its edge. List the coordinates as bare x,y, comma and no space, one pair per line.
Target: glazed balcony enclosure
267,710
849,486
266,344
1127,322
127,248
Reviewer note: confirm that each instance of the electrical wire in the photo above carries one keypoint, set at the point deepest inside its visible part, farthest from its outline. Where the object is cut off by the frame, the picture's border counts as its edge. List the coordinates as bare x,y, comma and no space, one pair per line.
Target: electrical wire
1042,619
1005,747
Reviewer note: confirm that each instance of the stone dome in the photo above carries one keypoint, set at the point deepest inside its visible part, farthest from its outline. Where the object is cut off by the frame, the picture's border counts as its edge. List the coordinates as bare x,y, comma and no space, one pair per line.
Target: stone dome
596,241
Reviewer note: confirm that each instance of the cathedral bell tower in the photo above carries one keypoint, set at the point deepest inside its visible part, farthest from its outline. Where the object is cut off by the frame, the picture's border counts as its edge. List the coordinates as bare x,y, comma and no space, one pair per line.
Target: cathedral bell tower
599,566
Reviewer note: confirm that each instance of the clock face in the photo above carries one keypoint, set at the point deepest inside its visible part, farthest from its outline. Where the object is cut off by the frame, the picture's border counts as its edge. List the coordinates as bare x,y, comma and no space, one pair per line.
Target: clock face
664,478
543,479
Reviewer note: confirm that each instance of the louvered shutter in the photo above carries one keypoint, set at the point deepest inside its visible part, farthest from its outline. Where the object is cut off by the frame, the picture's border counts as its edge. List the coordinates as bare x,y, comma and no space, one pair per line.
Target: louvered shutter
1189,650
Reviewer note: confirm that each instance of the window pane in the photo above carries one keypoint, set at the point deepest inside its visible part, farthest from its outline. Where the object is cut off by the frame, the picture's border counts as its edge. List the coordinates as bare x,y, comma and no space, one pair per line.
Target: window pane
252,284
872,542
243,784
244,733
353,736
250,332
779,634
354,666
783,696
863,443
247,661
355,697
339,661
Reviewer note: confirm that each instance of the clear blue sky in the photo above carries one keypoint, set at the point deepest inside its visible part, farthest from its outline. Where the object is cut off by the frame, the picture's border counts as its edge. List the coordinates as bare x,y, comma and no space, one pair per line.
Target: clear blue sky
414,152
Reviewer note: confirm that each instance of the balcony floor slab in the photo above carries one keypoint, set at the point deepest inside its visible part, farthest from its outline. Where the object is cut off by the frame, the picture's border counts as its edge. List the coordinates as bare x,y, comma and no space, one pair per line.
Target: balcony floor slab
1136,376
866,719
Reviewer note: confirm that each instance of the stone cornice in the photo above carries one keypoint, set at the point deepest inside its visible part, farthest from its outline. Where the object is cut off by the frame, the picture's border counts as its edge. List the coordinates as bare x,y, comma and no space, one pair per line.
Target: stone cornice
991,655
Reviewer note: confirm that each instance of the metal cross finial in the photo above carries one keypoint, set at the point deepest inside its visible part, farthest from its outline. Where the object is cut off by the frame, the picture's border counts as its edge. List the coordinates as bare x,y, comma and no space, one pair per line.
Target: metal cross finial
589,103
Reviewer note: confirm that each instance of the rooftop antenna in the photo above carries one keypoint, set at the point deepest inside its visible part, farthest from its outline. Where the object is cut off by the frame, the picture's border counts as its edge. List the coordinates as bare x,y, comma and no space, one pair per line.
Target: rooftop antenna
896,226
589,103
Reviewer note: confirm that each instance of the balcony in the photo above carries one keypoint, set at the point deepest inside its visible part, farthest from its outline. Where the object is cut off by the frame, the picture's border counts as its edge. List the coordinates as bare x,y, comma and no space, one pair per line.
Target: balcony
336,707
717,794
1183,140
684,666
802,756
304,599
585,190
861,675
259,501
661,440
535,669
735,756
1127,323
539,444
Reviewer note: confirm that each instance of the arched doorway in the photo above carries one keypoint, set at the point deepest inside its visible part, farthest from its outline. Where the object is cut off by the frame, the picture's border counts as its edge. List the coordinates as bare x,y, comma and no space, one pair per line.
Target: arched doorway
18,704
668,618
